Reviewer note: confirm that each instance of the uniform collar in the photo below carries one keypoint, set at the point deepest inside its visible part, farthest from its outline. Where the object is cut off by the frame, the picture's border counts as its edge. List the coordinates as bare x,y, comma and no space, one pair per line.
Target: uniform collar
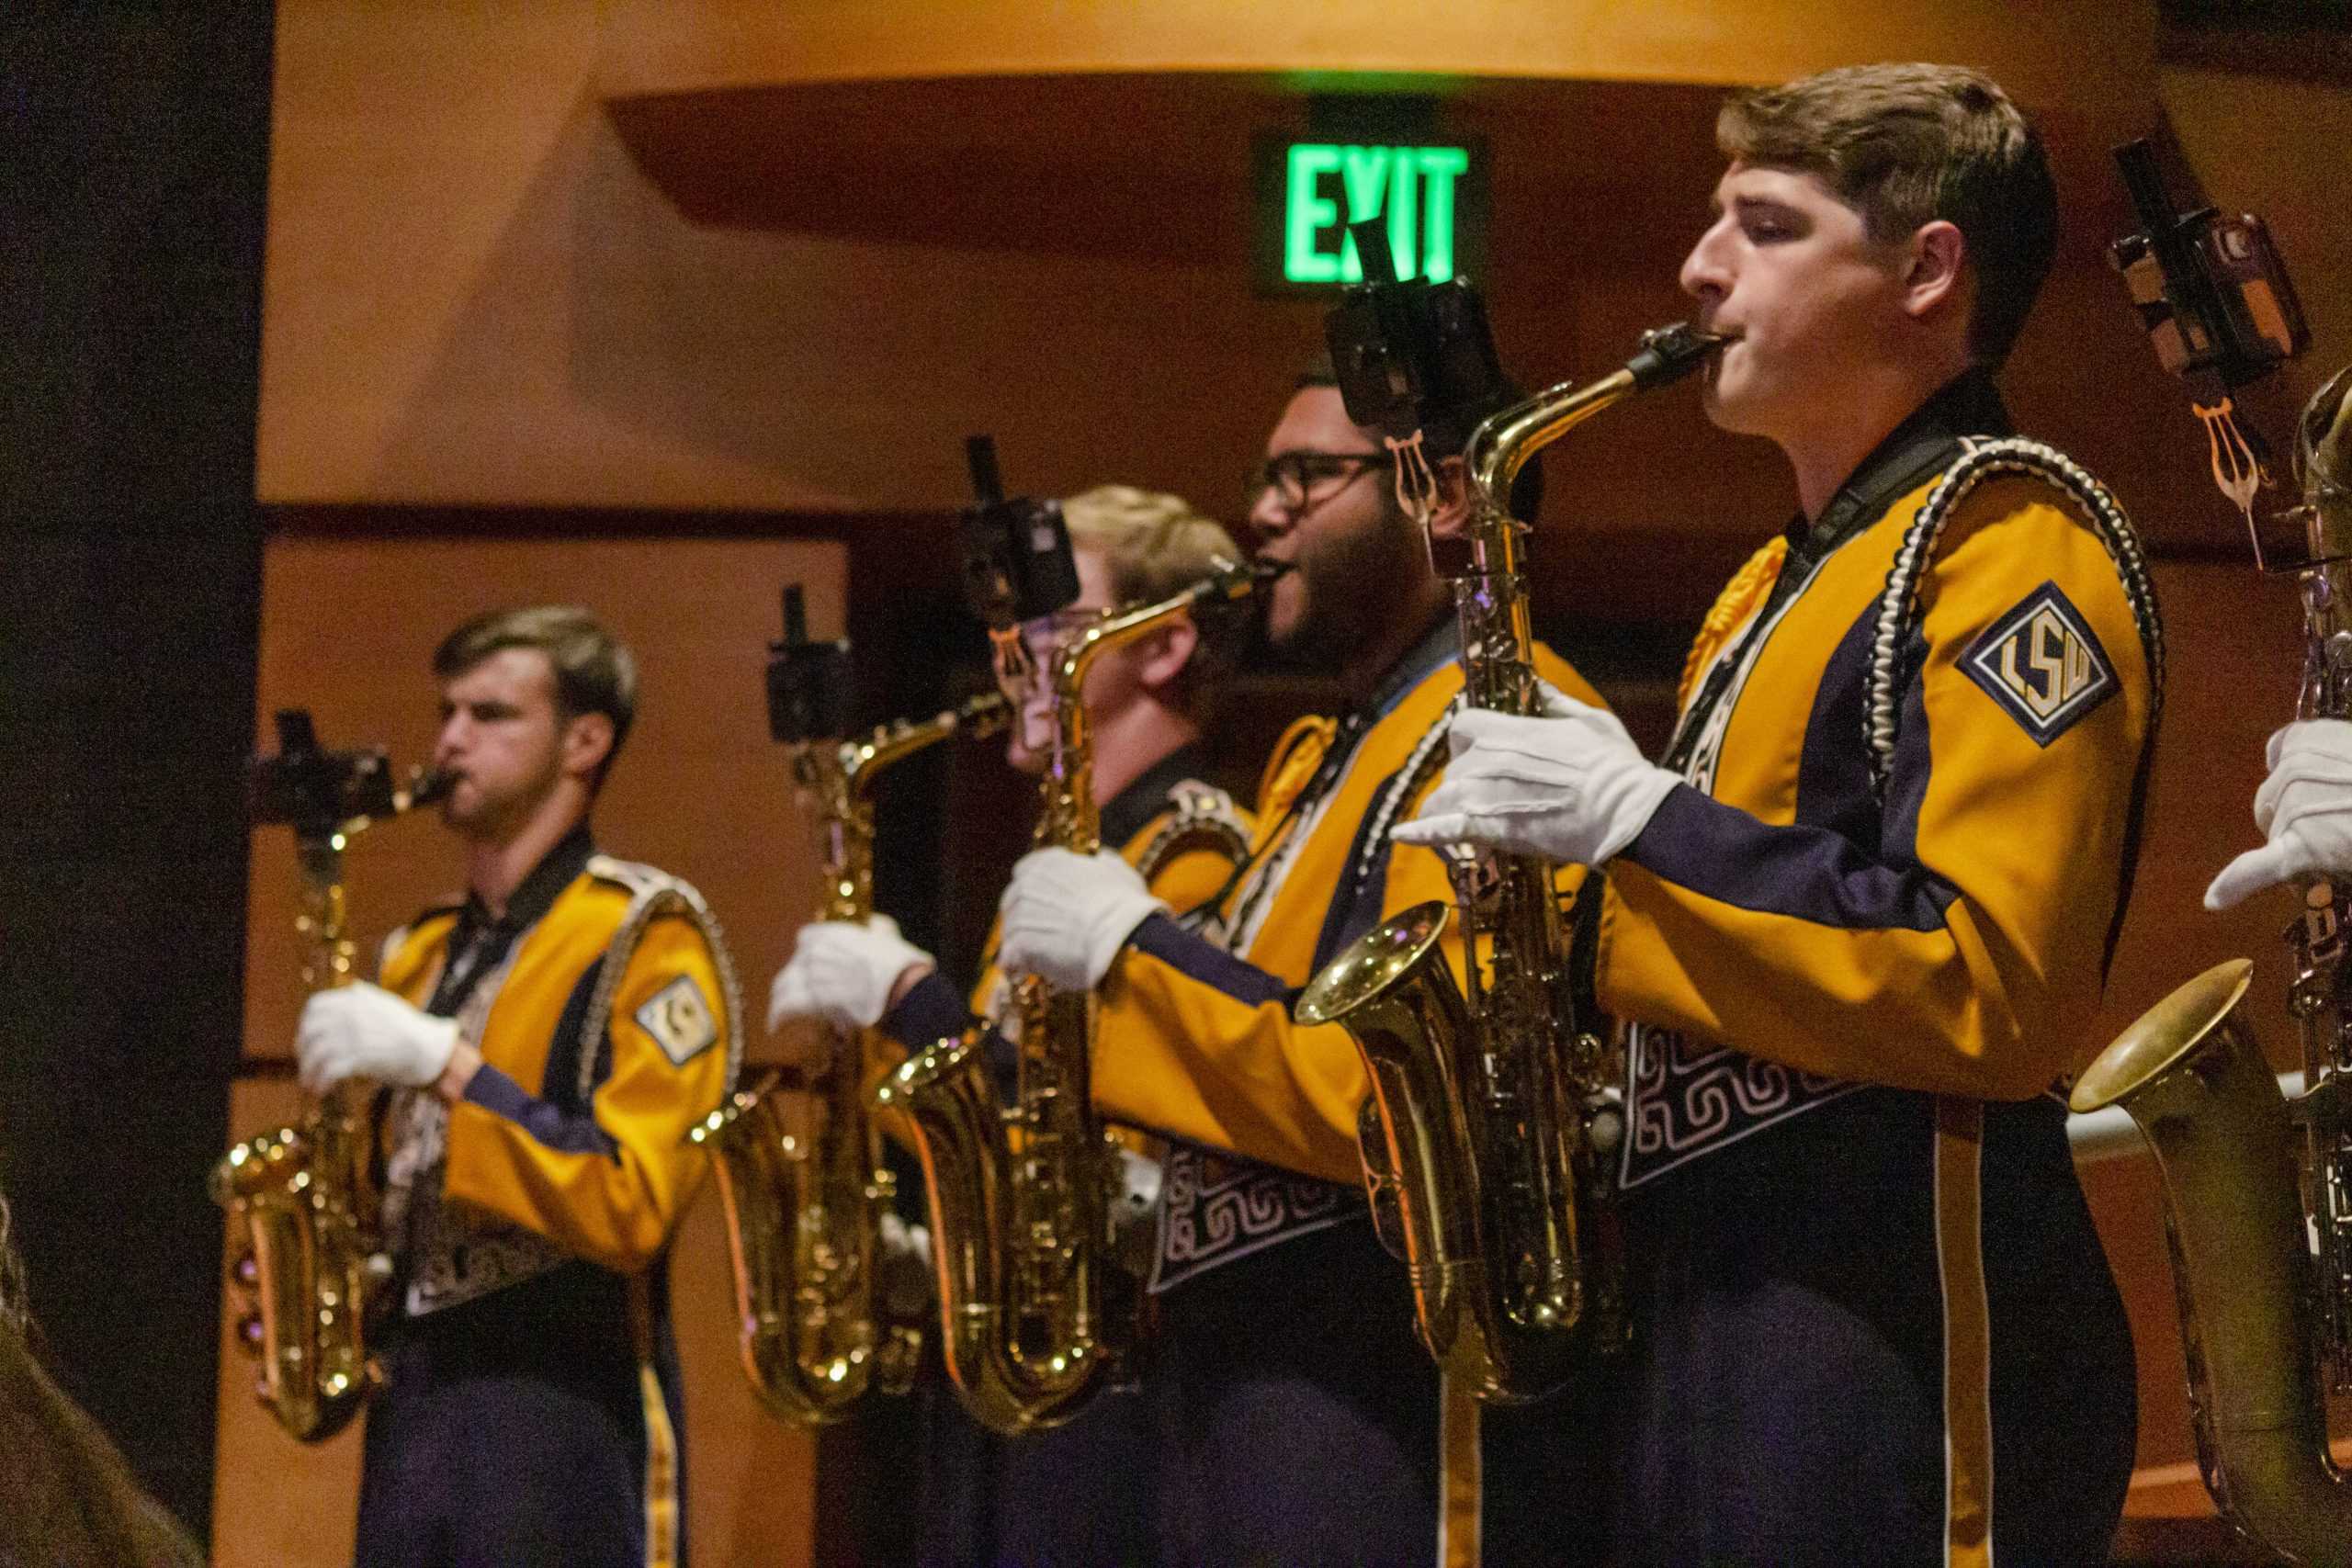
1132,810
1968,404
1440,646
537,894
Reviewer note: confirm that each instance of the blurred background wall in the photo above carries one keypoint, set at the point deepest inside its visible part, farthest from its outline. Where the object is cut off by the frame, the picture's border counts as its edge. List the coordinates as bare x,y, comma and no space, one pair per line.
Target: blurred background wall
656,304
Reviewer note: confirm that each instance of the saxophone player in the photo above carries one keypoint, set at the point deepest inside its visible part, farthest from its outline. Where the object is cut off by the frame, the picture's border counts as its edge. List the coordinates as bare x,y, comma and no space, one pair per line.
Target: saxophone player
1070,1494
1298,1418
2304,807
1858,920
549,1038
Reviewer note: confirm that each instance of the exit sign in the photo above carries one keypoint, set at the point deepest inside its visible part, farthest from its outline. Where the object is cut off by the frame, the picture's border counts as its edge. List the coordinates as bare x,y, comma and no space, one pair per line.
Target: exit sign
1432,193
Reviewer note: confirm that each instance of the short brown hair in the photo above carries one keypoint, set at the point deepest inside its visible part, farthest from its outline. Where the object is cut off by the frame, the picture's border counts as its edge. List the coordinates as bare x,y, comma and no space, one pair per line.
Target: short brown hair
1905,145
593,673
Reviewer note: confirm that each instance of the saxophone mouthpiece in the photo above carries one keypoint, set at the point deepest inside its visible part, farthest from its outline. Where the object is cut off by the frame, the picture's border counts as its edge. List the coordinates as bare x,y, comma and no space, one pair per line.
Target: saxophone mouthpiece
425,787
1232,579
1669,353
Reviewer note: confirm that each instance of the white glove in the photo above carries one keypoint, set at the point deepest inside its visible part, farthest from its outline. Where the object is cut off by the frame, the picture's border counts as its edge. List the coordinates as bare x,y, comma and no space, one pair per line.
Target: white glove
1569,787
2305,809
361,1030
843,973
1067,915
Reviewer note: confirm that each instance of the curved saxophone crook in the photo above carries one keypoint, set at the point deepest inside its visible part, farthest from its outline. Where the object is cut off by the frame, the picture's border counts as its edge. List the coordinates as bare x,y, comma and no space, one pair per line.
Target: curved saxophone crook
303,1198
1493,1108
803,1208
1035,1311
2257,1188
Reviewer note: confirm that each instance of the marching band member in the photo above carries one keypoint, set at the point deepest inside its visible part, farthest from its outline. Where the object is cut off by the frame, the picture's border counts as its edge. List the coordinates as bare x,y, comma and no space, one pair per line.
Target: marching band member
1076,1493
1299,1418
1859,921
551,1038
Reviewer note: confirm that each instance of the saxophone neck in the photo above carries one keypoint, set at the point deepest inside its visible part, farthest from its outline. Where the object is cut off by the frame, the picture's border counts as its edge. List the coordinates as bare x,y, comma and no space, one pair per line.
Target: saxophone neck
865,756
2327,639
1069,818
1501,446
328,952
836,779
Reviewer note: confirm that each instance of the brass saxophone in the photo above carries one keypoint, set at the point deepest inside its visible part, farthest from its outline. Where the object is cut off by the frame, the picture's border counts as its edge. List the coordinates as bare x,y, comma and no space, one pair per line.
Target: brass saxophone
1034,1311
2258,1189
1491,1114
802,1213
312,1265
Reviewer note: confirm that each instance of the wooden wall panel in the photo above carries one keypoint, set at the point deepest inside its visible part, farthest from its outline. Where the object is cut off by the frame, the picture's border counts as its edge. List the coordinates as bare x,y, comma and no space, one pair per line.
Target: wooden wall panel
559,296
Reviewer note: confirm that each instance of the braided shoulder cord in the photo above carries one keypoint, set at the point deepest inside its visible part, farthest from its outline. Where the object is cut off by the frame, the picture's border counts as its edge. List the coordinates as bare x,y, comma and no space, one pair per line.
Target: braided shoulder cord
1898,606
656,893
1429,754
1201,816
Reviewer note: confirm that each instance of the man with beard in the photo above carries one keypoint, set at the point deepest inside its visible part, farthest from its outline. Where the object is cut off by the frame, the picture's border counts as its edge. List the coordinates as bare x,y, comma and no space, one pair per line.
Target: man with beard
1076,1493
1299,1418
550,1039
1861,920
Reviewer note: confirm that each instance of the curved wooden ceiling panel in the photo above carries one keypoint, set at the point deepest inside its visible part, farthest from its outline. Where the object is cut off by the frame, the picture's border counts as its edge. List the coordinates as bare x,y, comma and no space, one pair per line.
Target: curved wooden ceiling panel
652,46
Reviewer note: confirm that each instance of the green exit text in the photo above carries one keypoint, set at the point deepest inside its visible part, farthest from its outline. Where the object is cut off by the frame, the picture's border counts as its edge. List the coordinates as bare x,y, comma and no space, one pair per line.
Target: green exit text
1414,187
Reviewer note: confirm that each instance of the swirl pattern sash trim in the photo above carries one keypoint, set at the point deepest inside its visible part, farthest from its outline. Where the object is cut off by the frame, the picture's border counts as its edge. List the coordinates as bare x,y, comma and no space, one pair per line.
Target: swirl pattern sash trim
1214,1209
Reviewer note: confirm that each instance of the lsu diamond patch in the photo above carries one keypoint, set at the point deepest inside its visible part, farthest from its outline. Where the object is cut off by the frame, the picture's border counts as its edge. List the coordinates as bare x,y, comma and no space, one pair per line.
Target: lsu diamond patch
680,1020
2043,665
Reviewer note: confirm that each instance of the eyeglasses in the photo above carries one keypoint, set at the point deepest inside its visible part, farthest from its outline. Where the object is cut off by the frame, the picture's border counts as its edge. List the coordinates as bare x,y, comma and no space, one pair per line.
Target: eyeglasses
1302,478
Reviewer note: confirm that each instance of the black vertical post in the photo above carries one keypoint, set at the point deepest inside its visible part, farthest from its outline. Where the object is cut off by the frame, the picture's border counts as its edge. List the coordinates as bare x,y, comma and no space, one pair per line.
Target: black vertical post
130,248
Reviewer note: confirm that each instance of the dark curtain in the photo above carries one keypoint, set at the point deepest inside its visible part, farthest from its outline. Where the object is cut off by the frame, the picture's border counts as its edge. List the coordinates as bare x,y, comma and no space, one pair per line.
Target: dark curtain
130,249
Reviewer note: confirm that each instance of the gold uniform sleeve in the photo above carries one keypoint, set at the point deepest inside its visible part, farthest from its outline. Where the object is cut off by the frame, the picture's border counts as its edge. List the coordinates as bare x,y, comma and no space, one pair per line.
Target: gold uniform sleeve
1965,952
1200,1044
608,1184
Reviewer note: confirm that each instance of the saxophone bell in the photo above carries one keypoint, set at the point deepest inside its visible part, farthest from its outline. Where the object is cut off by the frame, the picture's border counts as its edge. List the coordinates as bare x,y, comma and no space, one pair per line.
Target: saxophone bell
1492,1105
310,1275
804,1207
2257,1189
2192,1076
1395,996
1038,1312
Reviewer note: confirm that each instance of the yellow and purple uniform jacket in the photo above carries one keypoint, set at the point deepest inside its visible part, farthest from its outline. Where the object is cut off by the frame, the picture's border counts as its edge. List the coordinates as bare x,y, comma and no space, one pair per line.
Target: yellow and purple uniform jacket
606,1030
534,1402
1914,747
1852,950
1149,823
1194,1037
